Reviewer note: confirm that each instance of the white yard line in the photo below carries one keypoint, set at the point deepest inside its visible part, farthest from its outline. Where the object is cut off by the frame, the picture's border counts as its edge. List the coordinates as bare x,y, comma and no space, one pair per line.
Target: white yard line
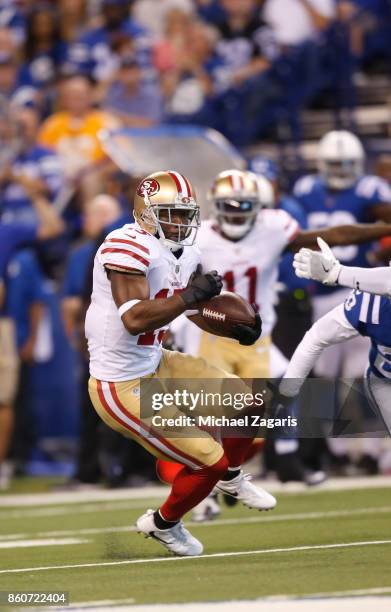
241,553
45,542
72,497
353,604
361,602
67,510
261,518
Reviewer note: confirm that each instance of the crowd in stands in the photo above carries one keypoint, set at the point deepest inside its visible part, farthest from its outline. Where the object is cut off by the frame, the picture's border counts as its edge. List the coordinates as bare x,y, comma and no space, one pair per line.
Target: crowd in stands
71,68
236,65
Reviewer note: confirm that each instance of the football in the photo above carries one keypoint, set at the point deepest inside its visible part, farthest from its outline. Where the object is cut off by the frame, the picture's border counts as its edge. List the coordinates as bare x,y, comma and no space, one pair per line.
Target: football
221,313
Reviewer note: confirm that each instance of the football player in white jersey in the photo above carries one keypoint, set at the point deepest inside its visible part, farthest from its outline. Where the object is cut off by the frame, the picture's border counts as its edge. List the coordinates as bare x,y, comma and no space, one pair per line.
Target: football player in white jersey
145,275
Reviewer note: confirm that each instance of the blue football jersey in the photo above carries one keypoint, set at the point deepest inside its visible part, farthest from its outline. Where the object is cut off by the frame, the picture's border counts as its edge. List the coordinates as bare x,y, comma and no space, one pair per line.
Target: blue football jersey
327,208
370,315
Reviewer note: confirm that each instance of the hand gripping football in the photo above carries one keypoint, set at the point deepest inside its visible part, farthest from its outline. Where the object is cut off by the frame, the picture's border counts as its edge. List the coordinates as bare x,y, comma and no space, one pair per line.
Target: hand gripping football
221,313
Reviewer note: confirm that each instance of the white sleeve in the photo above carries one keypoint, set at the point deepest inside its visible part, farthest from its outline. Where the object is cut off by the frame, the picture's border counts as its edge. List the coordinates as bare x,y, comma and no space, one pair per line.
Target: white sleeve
331,329
125,254
281,225
371,280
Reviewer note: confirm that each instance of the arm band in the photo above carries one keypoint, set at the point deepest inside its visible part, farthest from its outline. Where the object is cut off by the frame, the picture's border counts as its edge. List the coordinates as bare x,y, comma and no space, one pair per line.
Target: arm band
127,306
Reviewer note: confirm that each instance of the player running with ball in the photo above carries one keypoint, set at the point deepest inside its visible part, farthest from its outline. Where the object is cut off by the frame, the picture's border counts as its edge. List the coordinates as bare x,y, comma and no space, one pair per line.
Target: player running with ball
145,275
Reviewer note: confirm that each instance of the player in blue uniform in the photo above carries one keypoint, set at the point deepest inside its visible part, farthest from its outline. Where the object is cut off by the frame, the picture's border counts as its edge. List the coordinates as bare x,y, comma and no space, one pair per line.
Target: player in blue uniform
342,193
363,314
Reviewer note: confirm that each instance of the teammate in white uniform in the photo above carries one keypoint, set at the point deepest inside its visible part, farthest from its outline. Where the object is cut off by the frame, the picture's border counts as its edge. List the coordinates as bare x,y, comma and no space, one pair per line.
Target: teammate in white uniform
245,240
145,275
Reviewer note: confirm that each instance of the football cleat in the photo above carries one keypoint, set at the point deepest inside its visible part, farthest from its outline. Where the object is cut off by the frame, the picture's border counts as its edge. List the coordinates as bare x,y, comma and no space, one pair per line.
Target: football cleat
244,491
206,510
176,539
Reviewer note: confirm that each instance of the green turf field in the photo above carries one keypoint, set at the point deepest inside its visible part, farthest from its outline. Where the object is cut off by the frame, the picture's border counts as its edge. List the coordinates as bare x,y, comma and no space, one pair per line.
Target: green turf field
105,538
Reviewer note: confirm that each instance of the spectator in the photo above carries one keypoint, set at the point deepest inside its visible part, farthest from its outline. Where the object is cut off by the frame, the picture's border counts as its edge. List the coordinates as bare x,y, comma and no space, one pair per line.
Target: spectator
32,167
246,45
191,84
73,133
12,237
43,49
310,19
95,53
135,102
169,49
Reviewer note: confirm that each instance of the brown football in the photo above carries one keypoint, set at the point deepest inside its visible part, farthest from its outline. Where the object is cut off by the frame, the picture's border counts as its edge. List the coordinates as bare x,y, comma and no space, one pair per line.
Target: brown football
221,313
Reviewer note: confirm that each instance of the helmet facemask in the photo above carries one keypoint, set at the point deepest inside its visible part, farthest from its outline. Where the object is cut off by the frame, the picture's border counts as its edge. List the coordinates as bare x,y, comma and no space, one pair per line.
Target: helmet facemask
153,220
341,173
236,217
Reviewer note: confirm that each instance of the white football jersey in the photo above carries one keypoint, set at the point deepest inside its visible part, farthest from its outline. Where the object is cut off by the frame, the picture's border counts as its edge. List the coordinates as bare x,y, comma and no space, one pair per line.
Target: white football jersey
115,355
249,266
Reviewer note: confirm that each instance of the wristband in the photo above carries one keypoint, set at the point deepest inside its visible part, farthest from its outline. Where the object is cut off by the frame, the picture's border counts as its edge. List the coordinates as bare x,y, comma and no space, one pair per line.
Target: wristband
127,306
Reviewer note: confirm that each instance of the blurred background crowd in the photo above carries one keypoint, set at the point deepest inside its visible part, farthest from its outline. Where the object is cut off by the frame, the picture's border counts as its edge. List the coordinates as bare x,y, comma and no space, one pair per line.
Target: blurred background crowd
271,75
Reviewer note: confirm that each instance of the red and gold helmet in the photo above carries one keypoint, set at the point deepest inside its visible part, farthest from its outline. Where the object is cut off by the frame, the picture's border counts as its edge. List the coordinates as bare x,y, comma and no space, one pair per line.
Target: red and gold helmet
236,197
167,191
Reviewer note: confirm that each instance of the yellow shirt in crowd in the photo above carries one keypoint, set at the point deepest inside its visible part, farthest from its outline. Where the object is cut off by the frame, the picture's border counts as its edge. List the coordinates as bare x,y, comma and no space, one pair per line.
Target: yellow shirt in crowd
73,137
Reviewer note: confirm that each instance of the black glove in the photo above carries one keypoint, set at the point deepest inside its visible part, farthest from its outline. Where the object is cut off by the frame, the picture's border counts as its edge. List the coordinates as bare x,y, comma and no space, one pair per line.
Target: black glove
248,335
197,272
202,287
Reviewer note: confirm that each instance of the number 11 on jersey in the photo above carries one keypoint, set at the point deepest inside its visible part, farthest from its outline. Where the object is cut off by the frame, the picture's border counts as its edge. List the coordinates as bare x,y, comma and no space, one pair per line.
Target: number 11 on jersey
252,275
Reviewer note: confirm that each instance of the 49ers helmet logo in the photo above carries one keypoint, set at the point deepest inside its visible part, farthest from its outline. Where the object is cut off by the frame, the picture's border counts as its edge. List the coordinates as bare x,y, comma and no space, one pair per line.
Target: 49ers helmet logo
148,187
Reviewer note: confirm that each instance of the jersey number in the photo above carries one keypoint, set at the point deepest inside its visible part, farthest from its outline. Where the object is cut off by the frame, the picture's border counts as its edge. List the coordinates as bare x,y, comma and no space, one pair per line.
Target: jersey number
252,275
